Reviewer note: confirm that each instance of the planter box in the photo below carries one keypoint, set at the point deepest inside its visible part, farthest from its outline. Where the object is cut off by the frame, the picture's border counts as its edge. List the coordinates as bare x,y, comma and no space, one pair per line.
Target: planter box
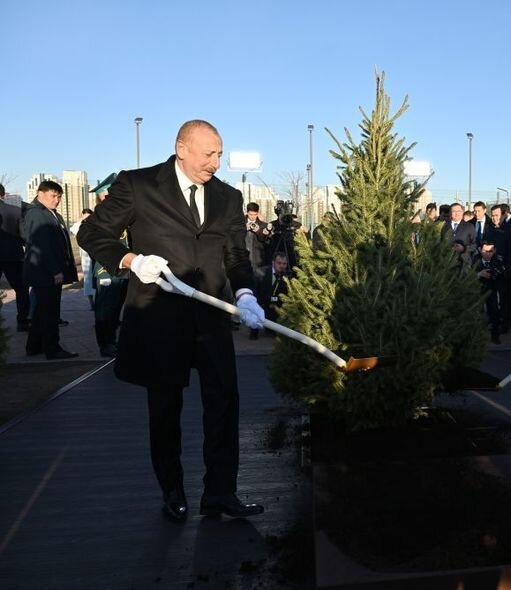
427,503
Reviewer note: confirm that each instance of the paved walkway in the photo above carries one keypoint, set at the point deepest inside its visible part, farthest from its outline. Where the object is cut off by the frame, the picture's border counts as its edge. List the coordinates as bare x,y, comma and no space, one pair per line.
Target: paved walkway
80,507
79,335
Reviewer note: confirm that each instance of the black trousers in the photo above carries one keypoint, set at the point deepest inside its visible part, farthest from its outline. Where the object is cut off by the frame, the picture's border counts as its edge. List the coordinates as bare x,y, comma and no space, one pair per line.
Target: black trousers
13,271
220,402
43,335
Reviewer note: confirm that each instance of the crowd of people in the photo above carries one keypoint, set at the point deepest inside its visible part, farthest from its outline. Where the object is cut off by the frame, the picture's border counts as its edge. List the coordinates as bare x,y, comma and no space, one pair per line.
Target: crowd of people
482,242
178,215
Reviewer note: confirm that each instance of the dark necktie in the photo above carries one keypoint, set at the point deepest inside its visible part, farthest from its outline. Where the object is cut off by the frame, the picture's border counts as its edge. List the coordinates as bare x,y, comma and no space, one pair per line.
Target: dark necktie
479,234
454,226
193,205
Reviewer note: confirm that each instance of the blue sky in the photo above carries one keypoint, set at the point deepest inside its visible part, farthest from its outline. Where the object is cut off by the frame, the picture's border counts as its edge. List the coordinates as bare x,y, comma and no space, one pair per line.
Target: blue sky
75,74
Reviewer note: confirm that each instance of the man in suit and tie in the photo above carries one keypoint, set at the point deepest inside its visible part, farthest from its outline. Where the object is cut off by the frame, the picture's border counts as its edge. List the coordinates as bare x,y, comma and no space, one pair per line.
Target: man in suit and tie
179,213
48,264
461,234
481,222
271,284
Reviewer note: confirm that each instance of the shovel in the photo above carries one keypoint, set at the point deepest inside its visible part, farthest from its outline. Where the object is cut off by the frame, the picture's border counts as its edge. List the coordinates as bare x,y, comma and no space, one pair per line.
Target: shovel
174,285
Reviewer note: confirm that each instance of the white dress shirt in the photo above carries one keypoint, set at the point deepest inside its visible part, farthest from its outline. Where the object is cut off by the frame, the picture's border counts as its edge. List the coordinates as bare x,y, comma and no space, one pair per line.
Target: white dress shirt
184,184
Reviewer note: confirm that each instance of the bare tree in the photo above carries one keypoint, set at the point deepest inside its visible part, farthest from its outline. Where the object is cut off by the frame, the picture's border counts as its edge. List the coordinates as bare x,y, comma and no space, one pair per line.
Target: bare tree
5,179
294,188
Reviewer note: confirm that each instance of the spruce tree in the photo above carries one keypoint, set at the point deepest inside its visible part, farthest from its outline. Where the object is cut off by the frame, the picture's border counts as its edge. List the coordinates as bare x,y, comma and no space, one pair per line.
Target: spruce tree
371,289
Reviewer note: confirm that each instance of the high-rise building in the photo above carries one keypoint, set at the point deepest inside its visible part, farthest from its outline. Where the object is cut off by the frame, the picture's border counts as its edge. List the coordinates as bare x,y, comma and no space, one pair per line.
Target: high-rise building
35,181
76,195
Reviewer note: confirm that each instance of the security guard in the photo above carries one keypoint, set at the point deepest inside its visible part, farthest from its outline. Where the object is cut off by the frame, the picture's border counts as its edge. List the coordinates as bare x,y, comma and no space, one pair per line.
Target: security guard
110,290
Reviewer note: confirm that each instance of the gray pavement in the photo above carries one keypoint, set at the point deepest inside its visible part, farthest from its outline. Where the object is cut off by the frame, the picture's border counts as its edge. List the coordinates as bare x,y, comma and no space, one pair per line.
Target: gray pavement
79,336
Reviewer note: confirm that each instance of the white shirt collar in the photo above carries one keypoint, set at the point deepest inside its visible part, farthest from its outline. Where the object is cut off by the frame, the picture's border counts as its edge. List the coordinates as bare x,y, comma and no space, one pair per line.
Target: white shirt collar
184,184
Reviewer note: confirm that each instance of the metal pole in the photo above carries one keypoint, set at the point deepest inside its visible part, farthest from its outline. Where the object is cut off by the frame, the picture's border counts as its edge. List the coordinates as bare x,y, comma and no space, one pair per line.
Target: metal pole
243,181
470,137
504,190
138,120
311,177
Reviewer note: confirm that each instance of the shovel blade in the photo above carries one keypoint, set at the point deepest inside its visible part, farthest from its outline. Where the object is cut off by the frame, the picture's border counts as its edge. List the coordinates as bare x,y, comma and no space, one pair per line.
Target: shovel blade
367,363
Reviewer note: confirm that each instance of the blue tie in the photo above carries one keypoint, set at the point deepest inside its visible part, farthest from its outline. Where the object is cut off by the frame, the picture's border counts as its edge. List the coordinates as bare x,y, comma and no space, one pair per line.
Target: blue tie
479,233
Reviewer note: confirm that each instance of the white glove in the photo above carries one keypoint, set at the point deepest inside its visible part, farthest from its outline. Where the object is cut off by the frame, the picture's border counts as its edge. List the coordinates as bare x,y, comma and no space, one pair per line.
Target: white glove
251,313
148,268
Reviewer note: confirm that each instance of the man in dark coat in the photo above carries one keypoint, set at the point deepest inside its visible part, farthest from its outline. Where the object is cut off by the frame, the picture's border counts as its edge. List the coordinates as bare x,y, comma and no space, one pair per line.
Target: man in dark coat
482,223
461,234
110,289
179,212
48,264
11,257
257,236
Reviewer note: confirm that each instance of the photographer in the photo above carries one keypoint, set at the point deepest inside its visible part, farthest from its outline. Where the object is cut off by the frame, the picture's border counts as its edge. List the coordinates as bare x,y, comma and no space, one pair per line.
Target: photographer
270,284
492,276
257,235
283,230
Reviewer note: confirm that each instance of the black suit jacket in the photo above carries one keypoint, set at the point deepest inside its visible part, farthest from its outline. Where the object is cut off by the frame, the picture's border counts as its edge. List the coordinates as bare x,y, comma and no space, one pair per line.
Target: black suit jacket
486,231
266,290
11,242
159,330
48,247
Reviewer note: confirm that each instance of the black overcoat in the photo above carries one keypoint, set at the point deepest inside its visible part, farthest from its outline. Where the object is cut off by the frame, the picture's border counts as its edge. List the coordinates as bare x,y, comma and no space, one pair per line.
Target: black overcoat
159,332
48,247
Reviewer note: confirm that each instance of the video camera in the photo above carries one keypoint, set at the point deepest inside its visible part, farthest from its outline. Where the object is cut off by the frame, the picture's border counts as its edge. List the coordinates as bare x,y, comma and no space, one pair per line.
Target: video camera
284,212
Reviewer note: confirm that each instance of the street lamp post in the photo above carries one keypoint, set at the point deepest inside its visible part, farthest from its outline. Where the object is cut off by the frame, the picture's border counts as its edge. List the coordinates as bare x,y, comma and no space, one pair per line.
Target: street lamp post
310,176
138,120
470,137
504,190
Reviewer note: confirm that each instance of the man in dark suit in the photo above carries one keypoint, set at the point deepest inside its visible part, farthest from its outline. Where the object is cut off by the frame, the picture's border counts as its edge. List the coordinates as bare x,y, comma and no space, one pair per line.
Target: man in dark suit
482,223
461,234
271,284
179,212
48,264
11,257
256,238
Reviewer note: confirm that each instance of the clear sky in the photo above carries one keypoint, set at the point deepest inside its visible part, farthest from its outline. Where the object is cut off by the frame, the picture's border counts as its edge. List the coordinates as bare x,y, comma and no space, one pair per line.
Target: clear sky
75,75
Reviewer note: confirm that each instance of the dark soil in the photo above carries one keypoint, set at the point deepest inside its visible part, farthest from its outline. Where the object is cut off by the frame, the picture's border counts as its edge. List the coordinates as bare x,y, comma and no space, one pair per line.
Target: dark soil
23,387
414,499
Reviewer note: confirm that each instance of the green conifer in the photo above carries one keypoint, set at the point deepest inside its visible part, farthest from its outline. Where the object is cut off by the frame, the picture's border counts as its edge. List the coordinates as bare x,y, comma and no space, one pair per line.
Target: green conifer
372,289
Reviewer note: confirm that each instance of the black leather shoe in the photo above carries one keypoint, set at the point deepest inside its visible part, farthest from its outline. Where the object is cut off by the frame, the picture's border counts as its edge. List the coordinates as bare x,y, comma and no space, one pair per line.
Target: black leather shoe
228,504
61,354
175,507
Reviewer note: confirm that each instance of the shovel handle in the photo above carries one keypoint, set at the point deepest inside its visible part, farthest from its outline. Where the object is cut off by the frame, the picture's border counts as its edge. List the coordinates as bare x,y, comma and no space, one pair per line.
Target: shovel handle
274,327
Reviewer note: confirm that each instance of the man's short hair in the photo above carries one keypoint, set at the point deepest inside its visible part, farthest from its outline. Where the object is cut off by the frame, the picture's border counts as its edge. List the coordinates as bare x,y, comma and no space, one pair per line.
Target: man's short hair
495,207
457,205
487,243
2,190
444,209
504,207
480,204
49,185
253,207
189,126
430,206
279,254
